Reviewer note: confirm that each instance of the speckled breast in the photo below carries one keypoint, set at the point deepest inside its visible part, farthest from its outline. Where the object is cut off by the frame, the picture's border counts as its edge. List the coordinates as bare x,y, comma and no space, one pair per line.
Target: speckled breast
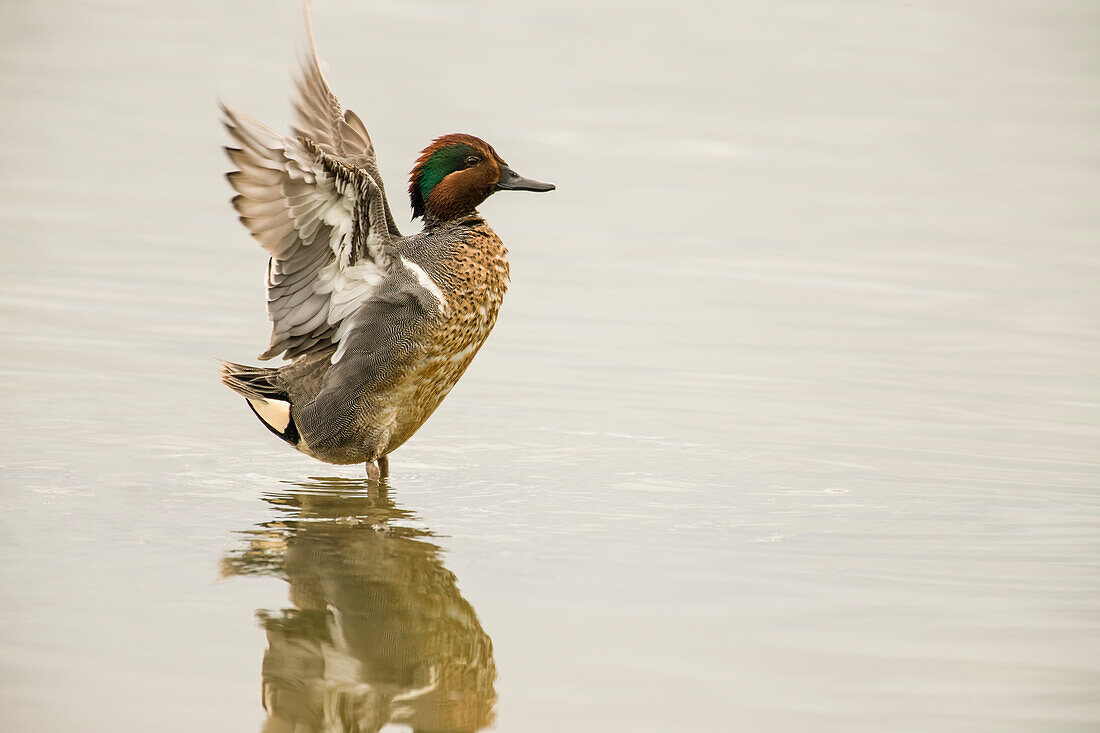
473,287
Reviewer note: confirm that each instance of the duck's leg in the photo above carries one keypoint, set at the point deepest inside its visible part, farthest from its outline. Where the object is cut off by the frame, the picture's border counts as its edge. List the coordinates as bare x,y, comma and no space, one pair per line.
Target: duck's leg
372,471
384,466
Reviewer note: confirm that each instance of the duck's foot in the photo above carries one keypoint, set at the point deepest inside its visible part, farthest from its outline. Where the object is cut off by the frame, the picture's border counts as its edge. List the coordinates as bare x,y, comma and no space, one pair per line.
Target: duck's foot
379,469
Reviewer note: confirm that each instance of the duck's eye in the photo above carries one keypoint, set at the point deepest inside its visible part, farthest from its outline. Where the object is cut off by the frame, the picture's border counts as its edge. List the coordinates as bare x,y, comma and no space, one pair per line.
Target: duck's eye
472,160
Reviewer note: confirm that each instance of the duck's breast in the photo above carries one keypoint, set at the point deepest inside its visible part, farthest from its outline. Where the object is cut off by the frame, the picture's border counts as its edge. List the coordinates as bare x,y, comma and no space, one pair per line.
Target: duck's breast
472,275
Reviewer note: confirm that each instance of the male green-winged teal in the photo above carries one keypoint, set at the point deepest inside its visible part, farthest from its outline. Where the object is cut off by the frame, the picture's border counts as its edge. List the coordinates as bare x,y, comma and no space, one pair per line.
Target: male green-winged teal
378,326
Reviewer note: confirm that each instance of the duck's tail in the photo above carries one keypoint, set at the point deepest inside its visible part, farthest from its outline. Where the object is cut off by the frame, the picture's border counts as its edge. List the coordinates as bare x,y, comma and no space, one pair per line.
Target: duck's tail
267,399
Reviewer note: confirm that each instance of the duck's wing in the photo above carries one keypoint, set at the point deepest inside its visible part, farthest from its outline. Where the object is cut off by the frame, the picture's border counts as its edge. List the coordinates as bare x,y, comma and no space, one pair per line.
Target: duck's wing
336,131
325,223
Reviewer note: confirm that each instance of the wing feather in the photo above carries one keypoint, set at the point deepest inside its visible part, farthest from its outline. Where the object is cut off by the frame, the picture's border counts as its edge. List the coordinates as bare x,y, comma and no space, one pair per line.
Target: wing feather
316,204
337,132
309,210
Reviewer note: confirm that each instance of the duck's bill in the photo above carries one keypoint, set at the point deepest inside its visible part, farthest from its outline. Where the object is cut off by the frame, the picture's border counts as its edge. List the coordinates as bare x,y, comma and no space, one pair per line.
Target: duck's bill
511,181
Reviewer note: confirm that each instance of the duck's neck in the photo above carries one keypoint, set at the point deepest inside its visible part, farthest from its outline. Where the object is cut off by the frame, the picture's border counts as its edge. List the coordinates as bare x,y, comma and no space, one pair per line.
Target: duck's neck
433,222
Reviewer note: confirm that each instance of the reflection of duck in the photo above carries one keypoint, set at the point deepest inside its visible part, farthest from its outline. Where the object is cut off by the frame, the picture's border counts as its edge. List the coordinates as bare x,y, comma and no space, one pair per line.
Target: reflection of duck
378,633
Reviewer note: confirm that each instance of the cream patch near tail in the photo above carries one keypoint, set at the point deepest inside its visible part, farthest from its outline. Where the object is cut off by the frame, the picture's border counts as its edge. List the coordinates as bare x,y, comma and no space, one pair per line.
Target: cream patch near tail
276,413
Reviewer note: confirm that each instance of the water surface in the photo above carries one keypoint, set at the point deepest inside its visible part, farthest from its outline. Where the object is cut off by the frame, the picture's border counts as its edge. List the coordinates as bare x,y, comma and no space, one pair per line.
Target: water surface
790,421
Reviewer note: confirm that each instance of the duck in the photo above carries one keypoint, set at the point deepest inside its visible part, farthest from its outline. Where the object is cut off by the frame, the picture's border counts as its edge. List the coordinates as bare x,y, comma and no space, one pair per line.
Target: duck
376,327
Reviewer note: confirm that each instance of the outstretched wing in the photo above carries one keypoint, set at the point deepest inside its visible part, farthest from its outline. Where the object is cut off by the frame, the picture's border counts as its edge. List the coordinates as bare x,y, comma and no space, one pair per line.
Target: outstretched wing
322,220
316,203
336,131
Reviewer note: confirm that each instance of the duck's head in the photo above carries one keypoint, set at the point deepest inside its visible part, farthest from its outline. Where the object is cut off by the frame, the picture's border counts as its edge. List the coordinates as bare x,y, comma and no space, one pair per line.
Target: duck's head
456,173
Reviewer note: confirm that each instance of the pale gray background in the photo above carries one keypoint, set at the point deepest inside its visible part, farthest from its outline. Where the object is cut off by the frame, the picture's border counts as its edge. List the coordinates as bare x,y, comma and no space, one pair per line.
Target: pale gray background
790,421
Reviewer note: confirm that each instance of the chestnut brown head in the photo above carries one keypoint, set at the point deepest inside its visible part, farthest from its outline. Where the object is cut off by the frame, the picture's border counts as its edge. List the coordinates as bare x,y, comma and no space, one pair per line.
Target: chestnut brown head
456,173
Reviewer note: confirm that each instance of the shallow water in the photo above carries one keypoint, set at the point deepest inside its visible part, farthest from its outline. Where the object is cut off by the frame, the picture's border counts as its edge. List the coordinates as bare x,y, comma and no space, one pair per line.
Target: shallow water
790,421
